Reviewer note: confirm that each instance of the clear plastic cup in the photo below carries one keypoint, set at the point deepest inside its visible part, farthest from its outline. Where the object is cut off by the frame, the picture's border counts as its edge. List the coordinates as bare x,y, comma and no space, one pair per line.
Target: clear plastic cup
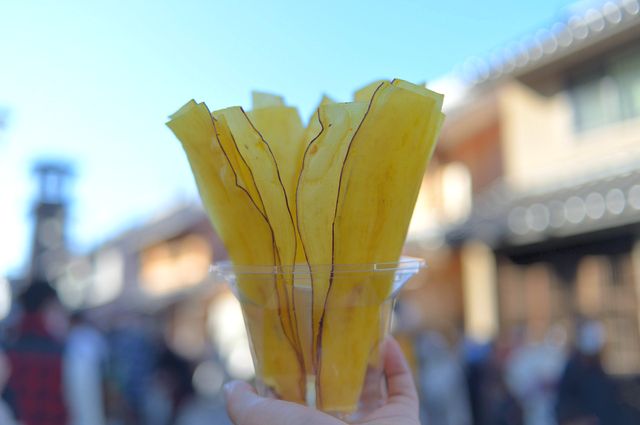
316,333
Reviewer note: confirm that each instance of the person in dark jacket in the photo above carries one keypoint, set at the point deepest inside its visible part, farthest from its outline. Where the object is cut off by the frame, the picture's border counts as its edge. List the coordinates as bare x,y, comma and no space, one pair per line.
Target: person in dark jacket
35,357
586,394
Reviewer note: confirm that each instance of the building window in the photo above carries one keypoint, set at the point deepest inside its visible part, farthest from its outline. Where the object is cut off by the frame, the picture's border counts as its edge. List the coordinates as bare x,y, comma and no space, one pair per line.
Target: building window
608,93
444,199
175,264
456,192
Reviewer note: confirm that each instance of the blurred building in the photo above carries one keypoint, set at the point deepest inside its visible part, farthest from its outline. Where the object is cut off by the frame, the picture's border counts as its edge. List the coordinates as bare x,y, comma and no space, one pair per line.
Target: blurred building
159,270
157,276
530,213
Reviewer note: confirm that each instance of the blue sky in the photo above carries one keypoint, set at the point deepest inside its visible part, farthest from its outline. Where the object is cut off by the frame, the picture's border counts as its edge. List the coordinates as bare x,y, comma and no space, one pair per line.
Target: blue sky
93,82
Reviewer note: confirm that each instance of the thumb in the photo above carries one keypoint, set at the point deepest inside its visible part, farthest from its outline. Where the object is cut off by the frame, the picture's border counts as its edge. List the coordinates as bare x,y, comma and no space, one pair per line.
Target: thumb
245,407
400,383
240,398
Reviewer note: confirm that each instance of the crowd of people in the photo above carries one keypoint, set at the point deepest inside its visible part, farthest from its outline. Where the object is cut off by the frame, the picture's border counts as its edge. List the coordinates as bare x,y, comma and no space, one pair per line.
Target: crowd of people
58,368
61,369
527,377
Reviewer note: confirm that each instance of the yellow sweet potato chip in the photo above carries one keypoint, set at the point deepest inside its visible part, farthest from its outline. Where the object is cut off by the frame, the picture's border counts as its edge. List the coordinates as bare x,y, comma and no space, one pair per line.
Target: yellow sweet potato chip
265,100
317,189
248,239
379,183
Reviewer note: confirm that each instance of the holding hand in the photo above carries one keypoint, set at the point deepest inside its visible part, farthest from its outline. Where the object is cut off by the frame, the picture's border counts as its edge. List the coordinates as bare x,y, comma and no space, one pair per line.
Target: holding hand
245,407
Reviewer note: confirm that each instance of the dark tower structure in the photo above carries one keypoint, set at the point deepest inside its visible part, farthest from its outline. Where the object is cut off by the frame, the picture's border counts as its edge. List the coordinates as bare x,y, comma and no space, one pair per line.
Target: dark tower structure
49,248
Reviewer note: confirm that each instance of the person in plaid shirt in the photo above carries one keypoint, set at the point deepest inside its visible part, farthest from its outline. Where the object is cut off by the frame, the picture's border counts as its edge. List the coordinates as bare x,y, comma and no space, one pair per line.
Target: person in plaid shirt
35,358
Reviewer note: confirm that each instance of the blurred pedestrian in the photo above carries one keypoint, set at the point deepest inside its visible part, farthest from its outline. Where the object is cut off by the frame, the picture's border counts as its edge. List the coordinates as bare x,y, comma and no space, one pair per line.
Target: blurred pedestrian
491,400
476,357
498,404
35,358
532,374
171,391
587,395
6,414
132,355
85,364
442,382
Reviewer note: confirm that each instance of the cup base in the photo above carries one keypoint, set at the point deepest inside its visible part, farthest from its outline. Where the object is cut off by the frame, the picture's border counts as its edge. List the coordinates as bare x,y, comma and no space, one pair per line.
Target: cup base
373,396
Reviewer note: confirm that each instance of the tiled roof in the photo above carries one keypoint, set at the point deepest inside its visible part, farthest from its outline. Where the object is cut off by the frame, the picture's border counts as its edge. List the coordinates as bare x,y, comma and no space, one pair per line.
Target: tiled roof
167,224
504,217
564,36
576,30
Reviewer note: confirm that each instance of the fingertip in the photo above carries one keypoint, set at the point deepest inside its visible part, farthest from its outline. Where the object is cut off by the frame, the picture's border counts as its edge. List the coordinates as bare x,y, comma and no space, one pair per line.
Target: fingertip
236,385
390,340
239,397
393,353
233,389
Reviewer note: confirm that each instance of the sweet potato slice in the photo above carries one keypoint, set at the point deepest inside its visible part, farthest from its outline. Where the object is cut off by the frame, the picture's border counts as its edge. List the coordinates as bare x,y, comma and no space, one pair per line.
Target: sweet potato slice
365,93
421,90
383,171
318,191
313,126
265,100
379,183
216,183
249,241
282,129
244,176
258,155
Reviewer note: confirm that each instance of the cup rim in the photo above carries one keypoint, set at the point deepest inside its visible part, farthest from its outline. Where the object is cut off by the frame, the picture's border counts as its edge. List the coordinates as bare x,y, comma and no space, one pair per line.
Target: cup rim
405,264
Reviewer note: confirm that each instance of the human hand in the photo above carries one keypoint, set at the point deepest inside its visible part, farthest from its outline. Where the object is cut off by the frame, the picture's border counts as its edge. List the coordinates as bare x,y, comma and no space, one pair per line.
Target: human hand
245,407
